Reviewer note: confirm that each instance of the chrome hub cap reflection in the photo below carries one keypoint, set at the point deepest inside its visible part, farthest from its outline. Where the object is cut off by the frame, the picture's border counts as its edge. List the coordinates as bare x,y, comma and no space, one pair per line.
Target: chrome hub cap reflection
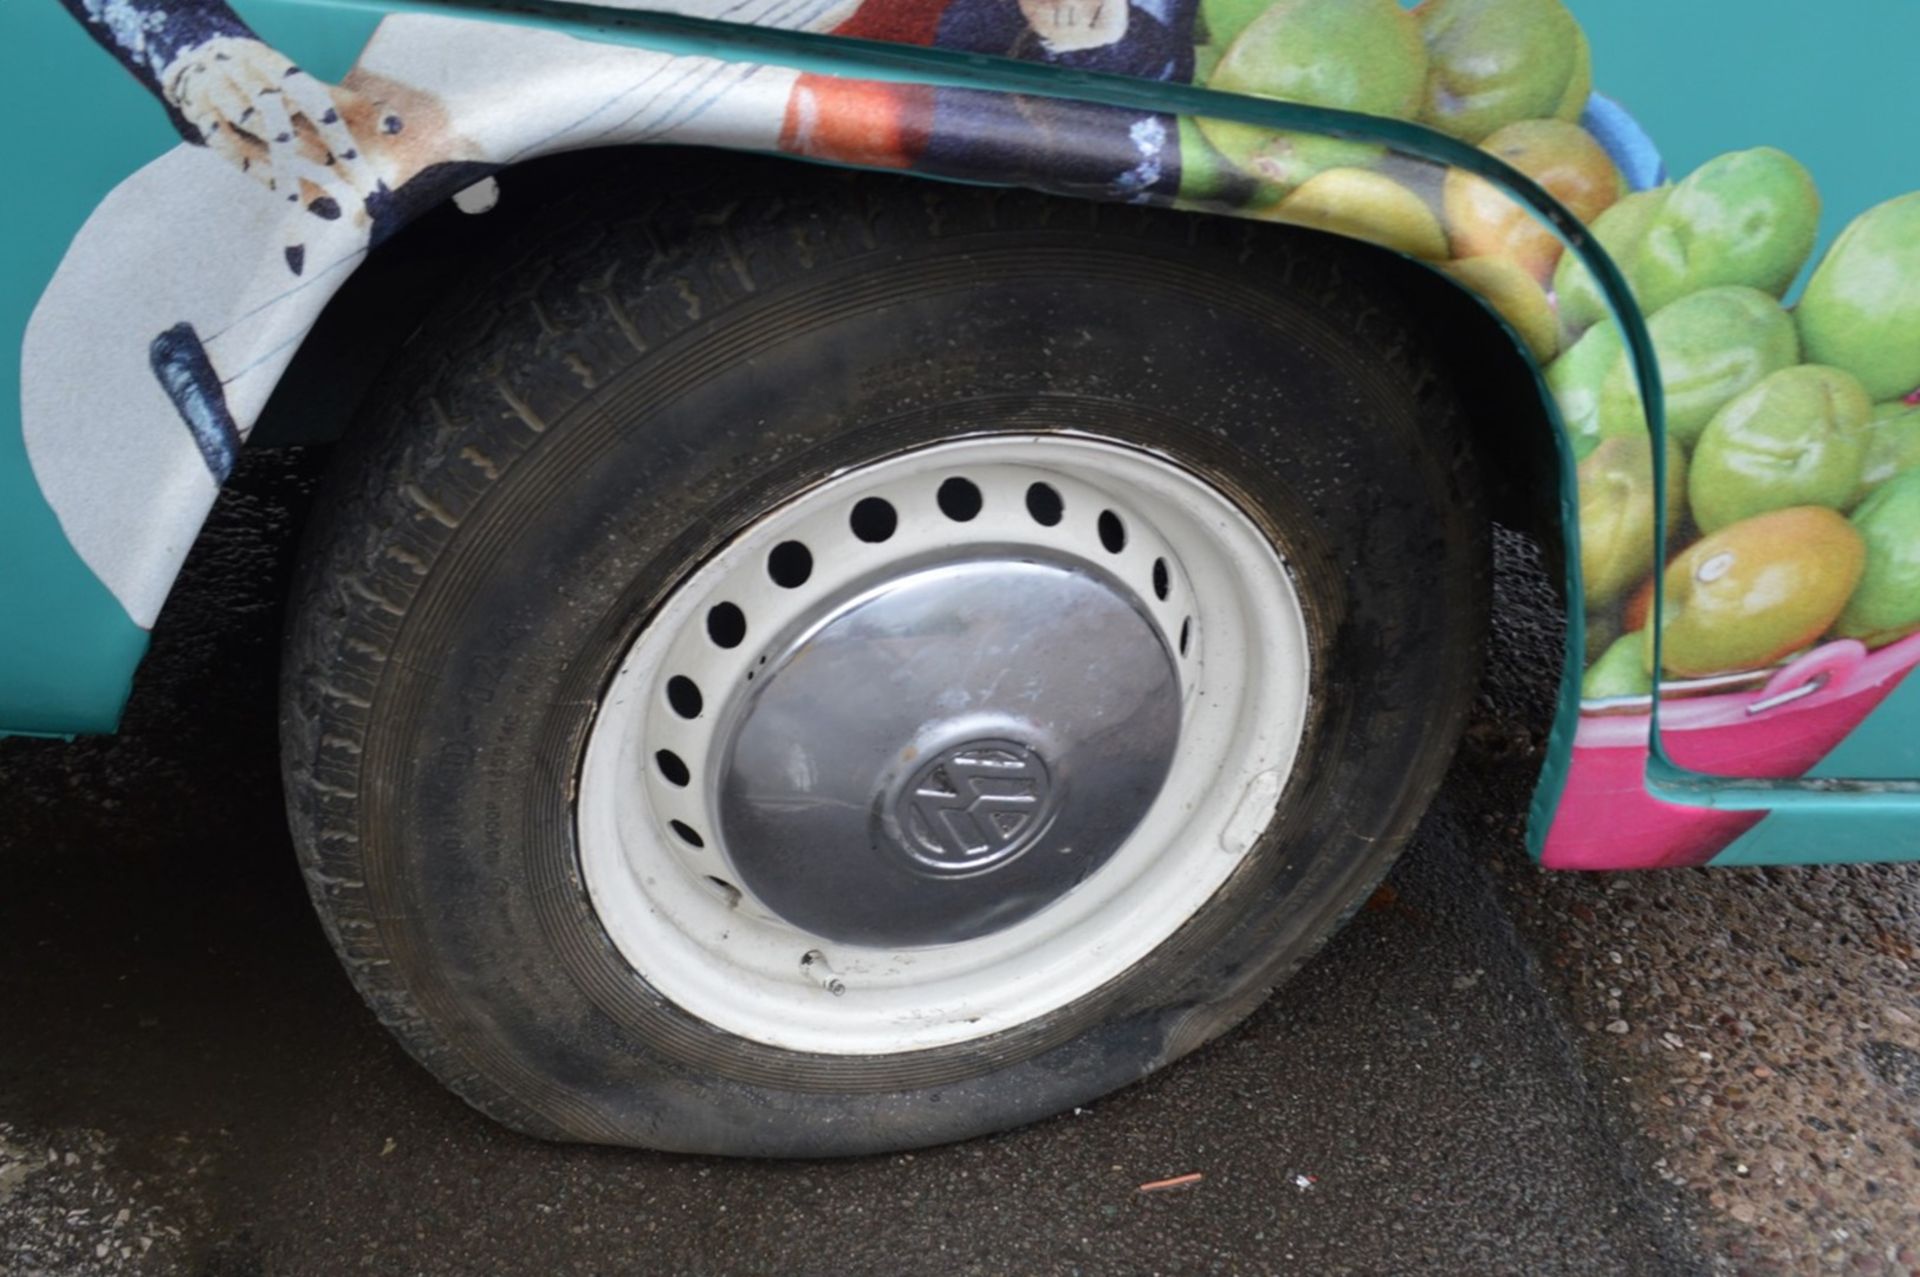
974,807
948,752
942,744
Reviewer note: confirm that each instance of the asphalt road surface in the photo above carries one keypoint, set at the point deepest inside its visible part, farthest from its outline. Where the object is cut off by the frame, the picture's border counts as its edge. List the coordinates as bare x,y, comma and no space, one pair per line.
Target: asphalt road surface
1475,1076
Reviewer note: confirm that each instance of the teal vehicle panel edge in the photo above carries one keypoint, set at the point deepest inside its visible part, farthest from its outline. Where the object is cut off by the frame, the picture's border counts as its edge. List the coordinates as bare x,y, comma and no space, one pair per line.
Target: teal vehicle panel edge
1690,75
1714,75
68,650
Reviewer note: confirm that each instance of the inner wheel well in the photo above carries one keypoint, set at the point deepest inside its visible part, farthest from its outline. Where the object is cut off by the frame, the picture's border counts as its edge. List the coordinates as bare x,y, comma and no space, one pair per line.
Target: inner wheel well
381,307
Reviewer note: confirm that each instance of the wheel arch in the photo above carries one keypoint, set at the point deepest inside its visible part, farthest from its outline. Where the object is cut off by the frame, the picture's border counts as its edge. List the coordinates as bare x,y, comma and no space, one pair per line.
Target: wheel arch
1514,424
378,307
374,313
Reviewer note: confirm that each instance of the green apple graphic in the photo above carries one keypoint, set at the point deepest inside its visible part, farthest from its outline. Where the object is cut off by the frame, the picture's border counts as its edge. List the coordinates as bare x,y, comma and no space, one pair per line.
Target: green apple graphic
1354,55
1797,438
1619,671
1496,62
1575,379
1861,309
1223,20
1712,346
1886,605
1893,443
1619,231
1748,217
1206,176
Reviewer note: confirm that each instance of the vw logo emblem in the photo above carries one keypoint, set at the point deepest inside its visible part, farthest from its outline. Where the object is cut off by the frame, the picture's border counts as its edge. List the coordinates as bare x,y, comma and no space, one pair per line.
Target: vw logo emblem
974,807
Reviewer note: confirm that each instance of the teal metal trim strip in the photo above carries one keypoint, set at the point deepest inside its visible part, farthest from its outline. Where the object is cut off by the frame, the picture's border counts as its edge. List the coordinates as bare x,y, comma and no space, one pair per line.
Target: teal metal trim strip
1806,793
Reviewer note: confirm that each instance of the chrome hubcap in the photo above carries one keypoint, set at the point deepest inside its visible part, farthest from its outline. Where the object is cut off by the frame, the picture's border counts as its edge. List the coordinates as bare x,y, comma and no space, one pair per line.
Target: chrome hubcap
949,752
942,744
973,808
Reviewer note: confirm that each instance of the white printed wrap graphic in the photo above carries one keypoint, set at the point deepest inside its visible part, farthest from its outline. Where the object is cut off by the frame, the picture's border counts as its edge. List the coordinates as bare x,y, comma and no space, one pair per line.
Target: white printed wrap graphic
193,240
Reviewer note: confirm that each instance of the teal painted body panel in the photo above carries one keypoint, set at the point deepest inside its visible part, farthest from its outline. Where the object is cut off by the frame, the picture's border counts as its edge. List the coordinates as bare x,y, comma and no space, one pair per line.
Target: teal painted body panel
1886,746
1822,82
67,648
1827,837
1849,829
1825,84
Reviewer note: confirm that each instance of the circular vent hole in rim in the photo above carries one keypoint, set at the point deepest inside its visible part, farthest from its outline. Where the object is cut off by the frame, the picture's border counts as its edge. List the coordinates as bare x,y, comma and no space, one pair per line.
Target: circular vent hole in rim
873,519
1045,505
726,625
672,768
960,499
684,695
790,564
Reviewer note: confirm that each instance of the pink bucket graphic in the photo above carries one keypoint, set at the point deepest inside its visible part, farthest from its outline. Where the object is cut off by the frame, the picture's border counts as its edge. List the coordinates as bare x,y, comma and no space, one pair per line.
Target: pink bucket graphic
1774,729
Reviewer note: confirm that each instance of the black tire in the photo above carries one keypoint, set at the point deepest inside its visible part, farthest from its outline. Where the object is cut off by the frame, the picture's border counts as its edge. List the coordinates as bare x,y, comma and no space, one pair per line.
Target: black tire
593,418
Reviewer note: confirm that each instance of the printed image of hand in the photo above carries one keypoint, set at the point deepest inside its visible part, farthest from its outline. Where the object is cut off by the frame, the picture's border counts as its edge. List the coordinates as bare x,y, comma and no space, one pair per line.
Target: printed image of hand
1070,25
295,134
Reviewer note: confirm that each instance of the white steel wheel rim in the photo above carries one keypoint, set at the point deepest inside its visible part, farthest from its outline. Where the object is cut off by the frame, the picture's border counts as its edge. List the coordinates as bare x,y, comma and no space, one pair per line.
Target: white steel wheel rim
1230,620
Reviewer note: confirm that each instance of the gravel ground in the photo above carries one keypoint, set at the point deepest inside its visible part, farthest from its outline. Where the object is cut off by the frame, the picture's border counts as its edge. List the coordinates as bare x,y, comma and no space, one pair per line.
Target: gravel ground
66,1208
1476,1076
1753,1034
1767,1025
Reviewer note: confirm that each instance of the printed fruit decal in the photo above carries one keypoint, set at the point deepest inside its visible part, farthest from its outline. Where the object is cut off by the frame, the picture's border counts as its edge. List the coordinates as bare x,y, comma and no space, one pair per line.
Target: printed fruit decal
1369,206
1616,515
1861,310
1206,176
1893,444
1223,20
1797,438
1757,591
1620,672
1576,378
1497,62
1711,346
1887,604
1619,230
1793,449
1563,158
1746,218
1516,296
1356,55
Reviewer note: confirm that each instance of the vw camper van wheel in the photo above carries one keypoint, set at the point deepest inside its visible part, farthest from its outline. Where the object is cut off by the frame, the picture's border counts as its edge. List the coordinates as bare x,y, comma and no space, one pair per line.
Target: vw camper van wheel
866,668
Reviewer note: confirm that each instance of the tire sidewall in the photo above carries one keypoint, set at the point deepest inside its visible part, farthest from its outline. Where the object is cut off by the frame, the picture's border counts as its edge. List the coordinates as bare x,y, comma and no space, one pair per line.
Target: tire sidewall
596,499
